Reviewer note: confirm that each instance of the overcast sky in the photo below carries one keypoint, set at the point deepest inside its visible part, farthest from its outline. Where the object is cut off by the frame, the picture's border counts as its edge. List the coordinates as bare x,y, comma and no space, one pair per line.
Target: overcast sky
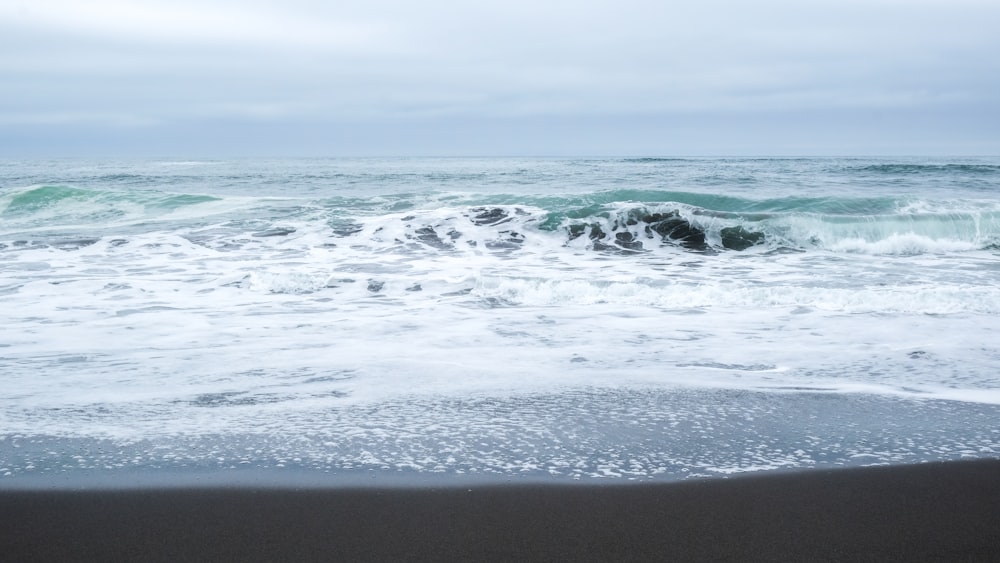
441,77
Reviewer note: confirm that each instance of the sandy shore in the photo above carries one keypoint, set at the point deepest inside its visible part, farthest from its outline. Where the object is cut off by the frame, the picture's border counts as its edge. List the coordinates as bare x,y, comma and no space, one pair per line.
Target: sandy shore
940,511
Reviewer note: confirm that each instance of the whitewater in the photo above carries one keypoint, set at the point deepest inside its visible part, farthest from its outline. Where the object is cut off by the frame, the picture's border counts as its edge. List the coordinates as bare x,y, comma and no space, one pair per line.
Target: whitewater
563,319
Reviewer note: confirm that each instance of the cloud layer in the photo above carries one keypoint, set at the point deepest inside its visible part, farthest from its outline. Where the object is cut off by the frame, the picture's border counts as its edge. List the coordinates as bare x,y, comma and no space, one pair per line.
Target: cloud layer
350,76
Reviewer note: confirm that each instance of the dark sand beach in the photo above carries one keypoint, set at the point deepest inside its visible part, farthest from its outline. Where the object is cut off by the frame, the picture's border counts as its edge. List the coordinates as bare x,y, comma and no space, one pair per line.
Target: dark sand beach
928,512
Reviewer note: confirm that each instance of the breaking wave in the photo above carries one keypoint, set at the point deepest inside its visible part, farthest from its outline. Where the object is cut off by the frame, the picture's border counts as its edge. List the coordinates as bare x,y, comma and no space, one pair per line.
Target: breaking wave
621,221
629,228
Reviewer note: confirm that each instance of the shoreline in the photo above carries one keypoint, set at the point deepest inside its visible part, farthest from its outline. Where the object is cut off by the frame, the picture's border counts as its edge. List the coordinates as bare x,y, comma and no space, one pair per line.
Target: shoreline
928,511
656,434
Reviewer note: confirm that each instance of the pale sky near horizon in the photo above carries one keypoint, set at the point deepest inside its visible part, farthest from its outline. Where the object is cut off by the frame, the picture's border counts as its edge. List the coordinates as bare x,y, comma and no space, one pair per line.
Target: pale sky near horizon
440,77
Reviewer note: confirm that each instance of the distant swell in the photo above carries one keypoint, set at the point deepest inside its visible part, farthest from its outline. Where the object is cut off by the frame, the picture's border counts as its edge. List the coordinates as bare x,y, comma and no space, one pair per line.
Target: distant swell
946,169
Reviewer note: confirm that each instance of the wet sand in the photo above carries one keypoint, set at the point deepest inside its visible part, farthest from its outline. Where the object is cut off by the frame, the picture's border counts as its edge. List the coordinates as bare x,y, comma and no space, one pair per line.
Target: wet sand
928,512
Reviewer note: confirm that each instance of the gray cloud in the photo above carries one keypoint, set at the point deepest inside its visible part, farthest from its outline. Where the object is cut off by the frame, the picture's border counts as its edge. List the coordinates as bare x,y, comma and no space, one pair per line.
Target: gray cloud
142,70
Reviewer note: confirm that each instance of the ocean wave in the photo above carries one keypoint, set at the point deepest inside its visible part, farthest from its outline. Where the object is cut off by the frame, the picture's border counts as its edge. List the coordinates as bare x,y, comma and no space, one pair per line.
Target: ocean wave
80,210
630,228
620,221
650,159
35,199
928,168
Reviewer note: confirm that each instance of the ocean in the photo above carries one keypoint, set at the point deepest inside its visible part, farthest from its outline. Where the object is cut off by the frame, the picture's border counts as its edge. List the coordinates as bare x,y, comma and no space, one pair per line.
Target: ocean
601,319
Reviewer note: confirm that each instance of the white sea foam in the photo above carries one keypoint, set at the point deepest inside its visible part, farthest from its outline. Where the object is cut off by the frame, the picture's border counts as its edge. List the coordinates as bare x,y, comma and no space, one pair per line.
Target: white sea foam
905,243
931,299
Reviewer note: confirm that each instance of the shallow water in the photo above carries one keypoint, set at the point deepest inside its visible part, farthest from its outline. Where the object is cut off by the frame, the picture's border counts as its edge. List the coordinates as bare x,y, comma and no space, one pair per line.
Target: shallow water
500,316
